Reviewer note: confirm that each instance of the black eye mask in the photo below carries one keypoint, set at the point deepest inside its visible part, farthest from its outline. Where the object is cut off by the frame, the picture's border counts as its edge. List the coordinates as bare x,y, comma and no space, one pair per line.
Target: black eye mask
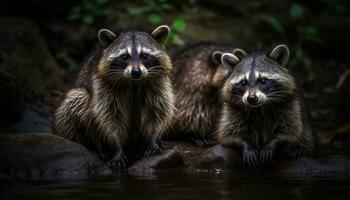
121,62
149,60
240,87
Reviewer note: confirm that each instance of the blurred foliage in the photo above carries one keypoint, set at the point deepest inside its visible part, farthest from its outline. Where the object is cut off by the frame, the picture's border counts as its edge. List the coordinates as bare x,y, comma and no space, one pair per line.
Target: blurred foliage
296,27
64,57
337,7
157,11
302,33
88,10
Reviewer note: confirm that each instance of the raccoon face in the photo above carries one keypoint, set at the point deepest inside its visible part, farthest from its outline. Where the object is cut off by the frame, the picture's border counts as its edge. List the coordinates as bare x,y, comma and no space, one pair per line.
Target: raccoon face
258,79
134,55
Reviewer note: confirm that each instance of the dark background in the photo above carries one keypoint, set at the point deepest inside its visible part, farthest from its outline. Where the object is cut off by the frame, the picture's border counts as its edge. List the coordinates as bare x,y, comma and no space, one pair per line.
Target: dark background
43,42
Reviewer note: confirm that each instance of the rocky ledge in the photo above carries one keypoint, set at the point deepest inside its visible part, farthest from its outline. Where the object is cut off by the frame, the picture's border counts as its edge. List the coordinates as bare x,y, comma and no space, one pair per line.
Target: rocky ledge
50,157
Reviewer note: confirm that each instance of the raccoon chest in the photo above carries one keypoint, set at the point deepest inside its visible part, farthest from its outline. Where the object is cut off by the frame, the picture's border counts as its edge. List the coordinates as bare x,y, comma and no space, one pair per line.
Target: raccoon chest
262,128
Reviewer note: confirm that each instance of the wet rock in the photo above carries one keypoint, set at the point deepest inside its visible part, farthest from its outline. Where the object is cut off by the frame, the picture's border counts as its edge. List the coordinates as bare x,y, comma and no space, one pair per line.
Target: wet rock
226,158
216,157
166,160
31,122
188,151
45,156
306,166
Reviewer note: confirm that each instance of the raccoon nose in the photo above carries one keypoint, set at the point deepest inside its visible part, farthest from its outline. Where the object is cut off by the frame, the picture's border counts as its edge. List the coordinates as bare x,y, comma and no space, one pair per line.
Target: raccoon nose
136,72
252,99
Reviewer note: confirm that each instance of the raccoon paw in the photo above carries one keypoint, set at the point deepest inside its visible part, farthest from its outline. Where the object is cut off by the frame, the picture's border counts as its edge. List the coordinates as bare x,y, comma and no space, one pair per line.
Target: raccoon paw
250,157
266,155
152,150
119,161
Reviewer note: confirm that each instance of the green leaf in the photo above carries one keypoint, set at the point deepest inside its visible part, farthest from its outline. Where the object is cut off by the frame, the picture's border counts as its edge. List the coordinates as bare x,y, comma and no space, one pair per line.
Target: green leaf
136,11
150,2
100,12
275,24
88,19
167,6
72,67
60,55
307,63
309,33
155,19
179,24
296,11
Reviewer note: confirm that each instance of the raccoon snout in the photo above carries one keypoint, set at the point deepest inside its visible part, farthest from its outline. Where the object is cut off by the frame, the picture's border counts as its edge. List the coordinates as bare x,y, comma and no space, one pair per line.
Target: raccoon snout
136,73
252,99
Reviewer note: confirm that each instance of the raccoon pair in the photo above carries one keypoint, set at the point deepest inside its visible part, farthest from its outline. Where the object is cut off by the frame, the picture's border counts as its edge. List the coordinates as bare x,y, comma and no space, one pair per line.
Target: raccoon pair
124,99
248,102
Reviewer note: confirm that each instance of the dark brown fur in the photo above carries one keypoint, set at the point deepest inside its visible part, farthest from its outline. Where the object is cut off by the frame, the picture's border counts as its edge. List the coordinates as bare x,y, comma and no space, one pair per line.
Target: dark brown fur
197,82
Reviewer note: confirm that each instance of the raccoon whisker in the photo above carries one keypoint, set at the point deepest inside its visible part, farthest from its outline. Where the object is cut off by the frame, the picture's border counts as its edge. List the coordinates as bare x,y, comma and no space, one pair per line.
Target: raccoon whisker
277,92
236,95
155,68
275,96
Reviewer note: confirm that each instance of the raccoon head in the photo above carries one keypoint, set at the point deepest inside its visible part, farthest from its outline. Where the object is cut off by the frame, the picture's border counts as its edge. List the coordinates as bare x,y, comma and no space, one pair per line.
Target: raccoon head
134,55
219,72
258,78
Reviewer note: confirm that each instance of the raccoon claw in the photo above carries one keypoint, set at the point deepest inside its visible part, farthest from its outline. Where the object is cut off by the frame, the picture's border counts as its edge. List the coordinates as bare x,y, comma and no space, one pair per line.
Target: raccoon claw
203,142
210,142
250,158
152,151
266,156
117,162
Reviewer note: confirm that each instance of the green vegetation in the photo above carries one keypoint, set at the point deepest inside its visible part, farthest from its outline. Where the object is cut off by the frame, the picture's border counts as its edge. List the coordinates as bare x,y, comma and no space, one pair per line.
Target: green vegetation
88,10
157,11
294,27
303,31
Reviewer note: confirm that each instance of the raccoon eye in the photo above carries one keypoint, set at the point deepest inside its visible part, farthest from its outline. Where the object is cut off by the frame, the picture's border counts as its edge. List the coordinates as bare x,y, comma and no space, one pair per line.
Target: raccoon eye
144,56
243,82
125,56
263,81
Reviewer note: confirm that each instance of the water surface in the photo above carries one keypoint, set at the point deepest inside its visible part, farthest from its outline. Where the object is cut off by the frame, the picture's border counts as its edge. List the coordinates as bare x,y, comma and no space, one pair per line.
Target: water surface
201,185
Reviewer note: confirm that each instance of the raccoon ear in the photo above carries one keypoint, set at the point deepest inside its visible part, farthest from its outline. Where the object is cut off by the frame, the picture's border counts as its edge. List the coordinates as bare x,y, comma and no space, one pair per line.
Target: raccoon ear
106,37
229,60
161,33
280,54
216,57
239,53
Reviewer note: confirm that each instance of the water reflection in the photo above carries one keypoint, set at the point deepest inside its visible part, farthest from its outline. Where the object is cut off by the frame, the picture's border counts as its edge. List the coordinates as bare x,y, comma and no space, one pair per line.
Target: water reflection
182,184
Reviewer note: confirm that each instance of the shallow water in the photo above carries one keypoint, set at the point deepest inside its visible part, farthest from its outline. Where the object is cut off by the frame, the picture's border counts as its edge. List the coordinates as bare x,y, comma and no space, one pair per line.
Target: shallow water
184,185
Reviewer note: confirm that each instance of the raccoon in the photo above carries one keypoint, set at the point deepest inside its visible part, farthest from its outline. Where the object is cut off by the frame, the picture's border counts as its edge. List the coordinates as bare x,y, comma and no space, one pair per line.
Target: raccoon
263,114
198,77
123,93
